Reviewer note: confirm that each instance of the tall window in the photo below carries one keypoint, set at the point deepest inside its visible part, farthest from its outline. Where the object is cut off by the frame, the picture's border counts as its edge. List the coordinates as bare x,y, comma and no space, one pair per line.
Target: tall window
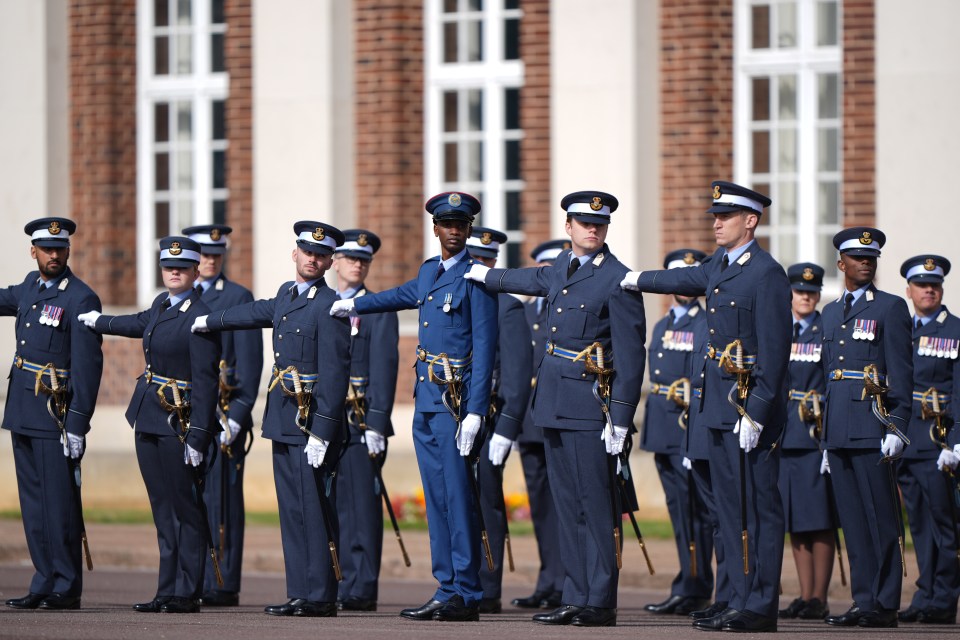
788,65
473,80
182,89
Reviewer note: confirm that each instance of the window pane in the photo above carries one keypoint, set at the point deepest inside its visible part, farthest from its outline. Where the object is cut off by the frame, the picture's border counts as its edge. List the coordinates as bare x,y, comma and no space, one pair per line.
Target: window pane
787,25
184,121
450,162
787,139
511,4
474,41
826,24
161,13
827,254
828,202
161,55
184,171
183,12
513,255
184,215
511,39
787,248
161,171
828,95
217,61
828,149
475,105
219,212
512,157
760,23
161,122
475,5
787,90
512,211
450,110
787,204
449,6
219,169
219,112
450,42
161,219
511,102
474,161
761,99
761,151
184,54
216,12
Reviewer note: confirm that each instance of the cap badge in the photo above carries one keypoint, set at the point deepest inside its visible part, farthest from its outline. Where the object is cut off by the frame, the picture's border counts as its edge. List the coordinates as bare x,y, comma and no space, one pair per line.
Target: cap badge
929,265
54,228
362,239
486,238
716,191
175,249
215,234
318,233
454,200
596,204
566,245
688,258
808,274
865,238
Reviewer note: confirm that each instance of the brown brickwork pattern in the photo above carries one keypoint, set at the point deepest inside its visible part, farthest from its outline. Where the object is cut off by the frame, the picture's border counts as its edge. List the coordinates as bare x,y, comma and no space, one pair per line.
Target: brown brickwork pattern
238,52
122,363
859,114
103,145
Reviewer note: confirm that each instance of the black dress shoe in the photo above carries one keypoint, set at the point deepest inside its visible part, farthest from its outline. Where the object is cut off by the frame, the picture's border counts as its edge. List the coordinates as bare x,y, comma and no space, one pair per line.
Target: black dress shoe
455,610
665,607
595,617
560,615
153,606
709,612
59,602
932,615
285,609
750,622
879,619
178,604
715,623
311,609
423,612
910,614
848,619
220,599
689,605
814,610
357,604
530,602
793,609
29,601
490,605
552,601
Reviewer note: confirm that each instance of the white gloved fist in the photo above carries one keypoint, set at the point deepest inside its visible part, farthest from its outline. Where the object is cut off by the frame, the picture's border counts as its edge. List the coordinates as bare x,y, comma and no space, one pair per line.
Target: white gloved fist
947,460
469,429
342,308
89,318
687,463
749,435
315,450
199,325
499,448
73,447
477,273
191,456
229,433
825,464
613,442
630,280
891,446
376,443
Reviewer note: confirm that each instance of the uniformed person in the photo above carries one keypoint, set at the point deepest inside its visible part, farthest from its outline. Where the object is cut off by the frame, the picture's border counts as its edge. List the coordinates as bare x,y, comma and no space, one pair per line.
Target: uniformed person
458,337
174,415
807,501
664,430
241,363
869,370
374,359
510,395
304,415
587,310
927,491
748,319
56,358
548,592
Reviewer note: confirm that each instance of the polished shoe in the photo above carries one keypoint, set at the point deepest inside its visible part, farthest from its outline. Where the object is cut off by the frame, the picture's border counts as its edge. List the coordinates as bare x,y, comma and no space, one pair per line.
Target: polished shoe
910,614
848,619
456,610
793,609
220,599
691,604
357,604
595,617
490,605
665,607
29,601
153,606
561,615
424,612
879,619
815,609
58,602
311,609
530,602
715,623
750,622
552,601
932,615
177,604
714,609
285,609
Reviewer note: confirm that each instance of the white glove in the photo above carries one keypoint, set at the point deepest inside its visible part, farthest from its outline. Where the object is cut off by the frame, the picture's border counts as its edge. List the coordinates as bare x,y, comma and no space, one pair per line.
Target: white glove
469,429
749,436
630,280
89,318
825,464
477,273
687,463
315,450
376,443
499,448
73,447
229,434
947,460
342,308
199,325
614,441
191,456
891,446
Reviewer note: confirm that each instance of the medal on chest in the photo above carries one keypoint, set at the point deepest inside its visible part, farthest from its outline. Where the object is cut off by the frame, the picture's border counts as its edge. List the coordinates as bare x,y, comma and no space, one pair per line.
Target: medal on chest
933,347
447,300
805,352
354,325
51,315
864,329
678,340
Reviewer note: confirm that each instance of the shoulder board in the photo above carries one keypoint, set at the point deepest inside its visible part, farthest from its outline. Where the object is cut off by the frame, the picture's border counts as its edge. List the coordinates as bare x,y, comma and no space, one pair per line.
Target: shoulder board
313,292
942,316
219,285
63,284
598,260
869,295
693,312
742,260
186,305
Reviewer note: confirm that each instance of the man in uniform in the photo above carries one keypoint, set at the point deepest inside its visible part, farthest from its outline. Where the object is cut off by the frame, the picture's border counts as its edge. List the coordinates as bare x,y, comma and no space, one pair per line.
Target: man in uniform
304,415
664,429
510,394
241,361
57,360
458,337
594,326
748,319
869,370
928,493
373,384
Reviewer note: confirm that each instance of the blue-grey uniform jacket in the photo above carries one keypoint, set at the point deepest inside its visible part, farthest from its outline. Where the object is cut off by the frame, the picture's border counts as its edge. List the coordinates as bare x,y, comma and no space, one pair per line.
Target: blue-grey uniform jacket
805,374
539,334
513,369
374,359
935,364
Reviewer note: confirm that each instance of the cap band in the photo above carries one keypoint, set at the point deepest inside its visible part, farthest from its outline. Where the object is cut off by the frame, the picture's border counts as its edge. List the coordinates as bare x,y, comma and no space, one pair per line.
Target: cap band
493,245
185,254
44,234
307,236
547,254
585,207
738,201
677,264
920,270
854,243
205,238
351,245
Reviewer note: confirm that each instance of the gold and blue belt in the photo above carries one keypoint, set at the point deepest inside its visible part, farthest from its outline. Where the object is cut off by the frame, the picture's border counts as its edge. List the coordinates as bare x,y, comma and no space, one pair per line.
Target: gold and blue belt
457,363
553,350
801,395
920,396
288,376
715,354
659,389
33,367
156,378
852,374
359,381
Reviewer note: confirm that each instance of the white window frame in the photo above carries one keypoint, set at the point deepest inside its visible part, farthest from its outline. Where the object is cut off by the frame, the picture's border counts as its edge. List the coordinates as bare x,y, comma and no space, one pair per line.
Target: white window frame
492,76
201,89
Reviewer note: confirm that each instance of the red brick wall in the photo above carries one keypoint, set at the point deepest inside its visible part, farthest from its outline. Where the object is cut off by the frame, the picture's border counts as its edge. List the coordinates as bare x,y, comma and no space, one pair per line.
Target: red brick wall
122,363
238,51
859,113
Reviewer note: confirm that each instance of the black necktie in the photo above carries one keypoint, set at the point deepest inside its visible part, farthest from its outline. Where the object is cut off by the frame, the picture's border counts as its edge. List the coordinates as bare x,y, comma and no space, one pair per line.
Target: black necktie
294,292
919,324
796,330
572,268
440,271
725,262
847,303
671,319
165,305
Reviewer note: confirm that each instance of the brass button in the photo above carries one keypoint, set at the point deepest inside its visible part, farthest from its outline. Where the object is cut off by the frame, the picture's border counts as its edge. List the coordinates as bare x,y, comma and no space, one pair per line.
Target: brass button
840,358
426,324
843,326
147,350
429,298
842,343
701,375
553,329
421,378
582,306
716,290
583,375
298,330
284,318
280,337
23,342
28,324
732,303
536,326
660,354
656,372
559,310
564,292
34,307
276,355
712,332
713,310
148,366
